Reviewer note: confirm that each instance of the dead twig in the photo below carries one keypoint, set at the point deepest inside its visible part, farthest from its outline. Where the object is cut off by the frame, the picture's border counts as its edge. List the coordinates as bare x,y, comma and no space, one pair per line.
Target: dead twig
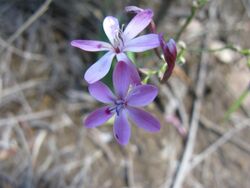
28,175
27,117
95,137
26,24
188,150
246,5
236,141
80,177
37,146
165,5
175,103
20,87
129,168
218,143
21,96
21,53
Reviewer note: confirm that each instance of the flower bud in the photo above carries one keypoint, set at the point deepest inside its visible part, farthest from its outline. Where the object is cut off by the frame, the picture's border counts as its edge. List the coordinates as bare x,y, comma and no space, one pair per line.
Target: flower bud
170,53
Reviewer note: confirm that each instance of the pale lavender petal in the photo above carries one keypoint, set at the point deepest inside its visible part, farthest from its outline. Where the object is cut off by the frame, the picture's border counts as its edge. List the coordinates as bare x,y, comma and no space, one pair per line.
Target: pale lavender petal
91,45
171,45
111,27
99,69
121,79
143,119
138,23
142,43
101,92
135,77
133,9
122,129
141,95
98,117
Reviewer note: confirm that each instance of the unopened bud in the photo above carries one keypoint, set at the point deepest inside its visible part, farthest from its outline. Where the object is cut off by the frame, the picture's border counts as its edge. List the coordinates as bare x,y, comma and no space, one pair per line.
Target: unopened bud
170,54
170,51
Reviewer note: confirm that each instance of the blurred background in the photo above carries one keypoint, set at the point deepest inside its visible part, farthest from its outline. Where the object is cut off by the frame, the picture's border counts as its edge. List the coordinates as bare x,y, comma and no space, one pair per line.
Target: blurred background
204,108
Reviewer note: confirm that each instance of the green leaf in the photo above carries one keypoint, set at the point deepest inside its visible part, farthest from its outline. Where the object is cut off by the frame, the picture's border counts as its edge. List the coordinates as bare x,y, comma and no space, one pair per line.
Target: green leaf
248,62
131,56
245,52
202,2
145,80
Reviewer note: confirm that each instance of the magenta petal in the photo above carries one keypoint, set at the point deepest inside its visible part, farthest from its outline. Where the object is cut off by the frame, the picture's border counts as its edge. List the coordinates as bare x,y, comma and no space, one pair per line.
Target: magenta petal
138,23
144,120
98,117
101,92
135,77
111,27
99,69
121,79
141,95
122,129
170,51
142,43
162,41
91,45
170,54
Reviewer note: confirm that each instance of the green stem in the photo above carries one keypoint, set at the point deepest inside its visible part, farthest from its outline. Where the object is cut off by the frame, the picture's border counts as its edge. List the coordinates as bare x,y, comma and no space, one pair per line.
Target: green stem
188,20
237,104
196,5
212,50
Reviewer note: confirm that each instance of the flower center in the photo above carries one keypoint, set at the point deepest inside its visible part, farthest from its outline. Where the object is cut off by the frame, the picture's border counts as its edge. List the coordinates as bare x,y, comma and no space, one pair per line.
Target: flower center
118,106
118,41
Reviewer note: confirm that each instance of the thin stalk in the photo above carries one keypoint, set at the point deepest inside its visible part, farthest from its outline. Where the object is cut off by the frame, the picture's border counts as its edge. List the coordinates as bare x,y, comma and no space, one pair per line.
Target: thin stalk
188,20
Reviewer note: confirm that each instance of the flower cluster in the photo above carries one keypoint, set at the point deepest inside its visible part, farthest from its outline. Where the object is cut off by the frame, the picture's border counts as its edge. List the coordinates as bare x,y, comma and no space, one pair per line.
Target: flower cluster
129,93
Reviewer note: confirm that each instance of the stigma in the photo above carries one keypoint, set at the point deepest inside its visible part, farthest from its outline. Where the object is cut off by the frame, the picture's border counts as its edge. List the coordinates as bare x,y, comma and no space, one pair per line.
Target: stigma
118,106
118,42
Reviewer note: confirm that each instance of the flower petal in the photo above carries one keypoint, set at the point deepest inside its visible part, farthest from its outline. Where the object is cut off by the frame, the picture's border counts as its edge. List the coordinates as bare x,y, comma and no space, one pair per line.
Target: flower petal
138,23
98,117
99,69
142,95
121,79
122,129
143,119
142,43
91,45
101,92
162,41
111,27
135,77
171,45
133,9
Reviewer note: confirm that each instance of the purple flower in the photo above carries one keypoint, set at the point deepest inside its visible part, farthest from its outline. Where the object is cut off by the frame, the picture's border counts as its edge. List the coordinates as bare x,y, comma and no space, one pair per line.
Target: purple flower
136,10
123,104
170,53
120,42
